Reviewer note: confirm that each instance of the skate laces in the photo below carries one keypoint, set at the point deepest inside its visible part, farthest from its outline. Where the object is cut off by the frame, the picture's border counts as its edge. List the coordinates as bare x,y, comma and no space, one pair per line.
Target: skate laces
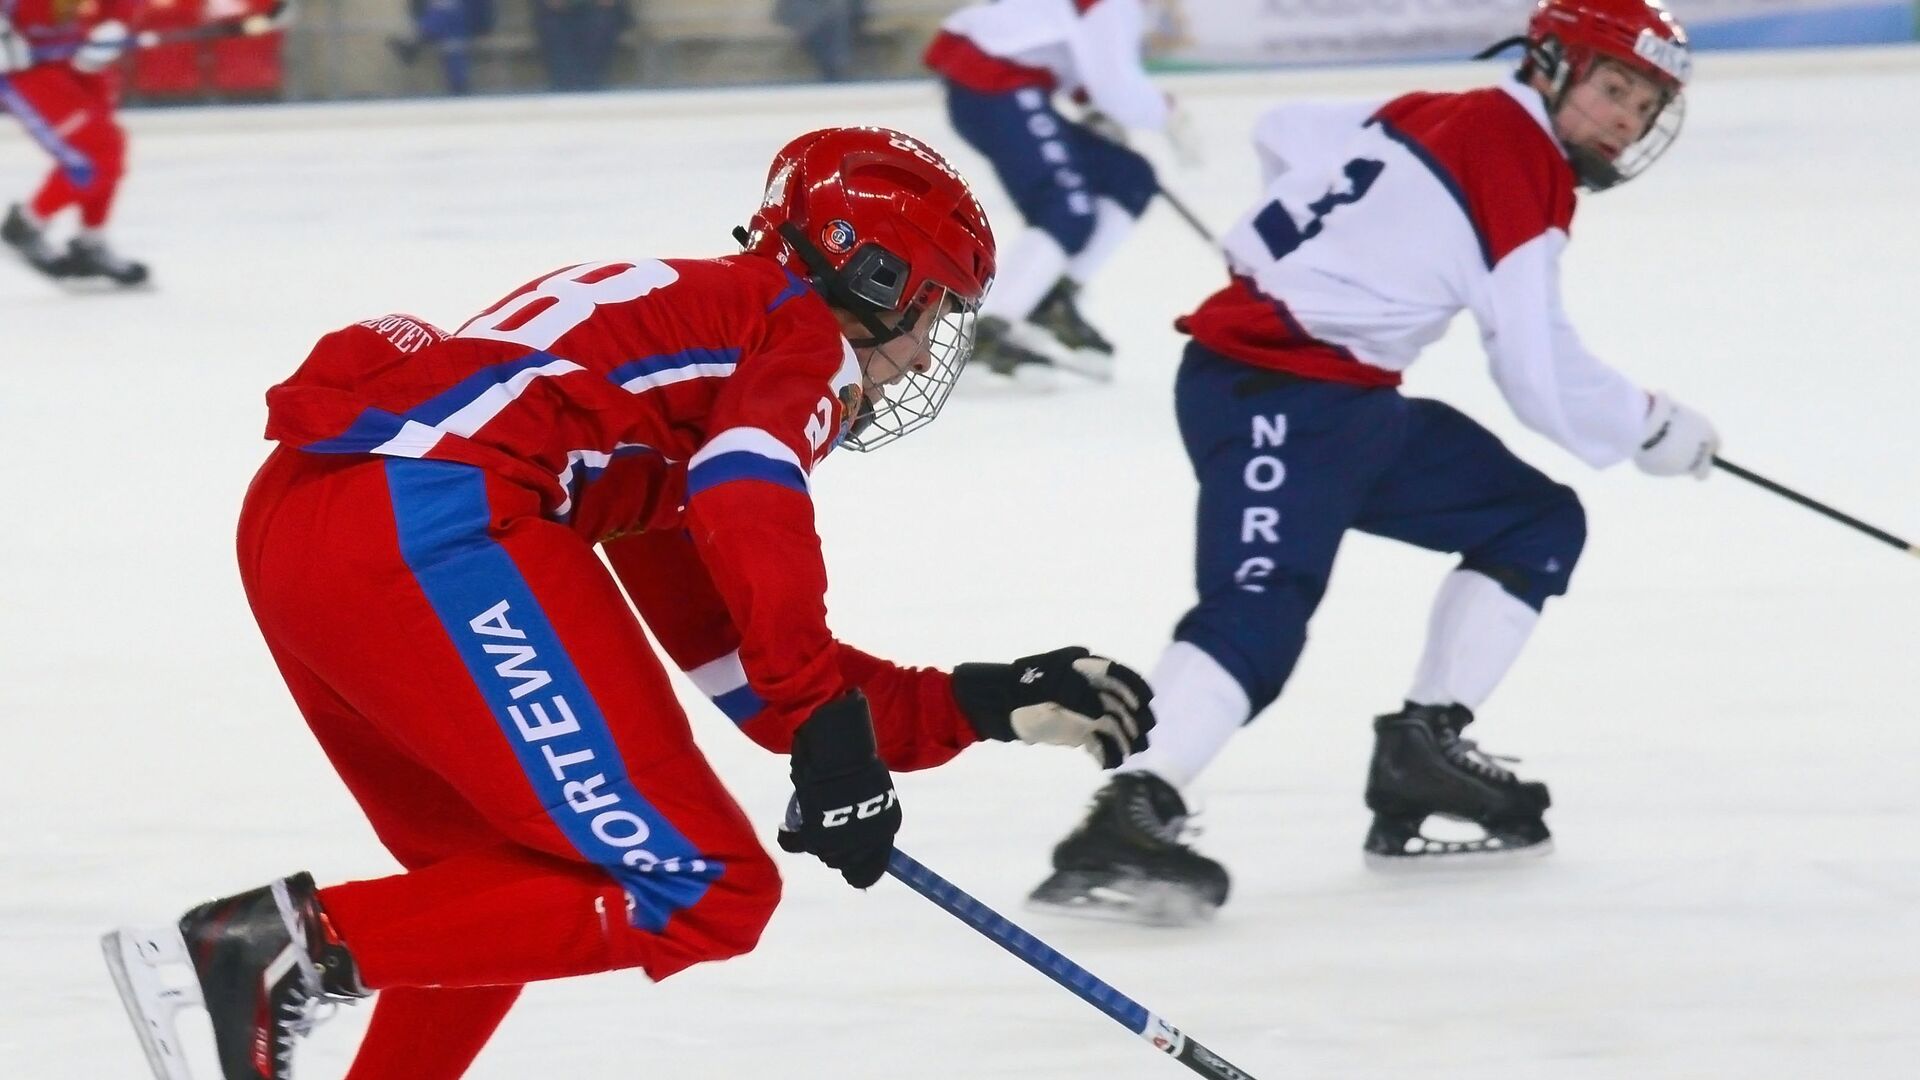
311,1004
1171,829
1466,753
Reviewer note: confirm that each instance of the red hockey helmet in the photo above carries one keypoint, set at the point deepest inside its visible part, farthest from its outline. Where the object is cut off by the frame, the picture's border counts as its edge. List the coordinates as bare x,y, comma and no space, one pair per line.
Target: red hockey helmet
1565,38
889,232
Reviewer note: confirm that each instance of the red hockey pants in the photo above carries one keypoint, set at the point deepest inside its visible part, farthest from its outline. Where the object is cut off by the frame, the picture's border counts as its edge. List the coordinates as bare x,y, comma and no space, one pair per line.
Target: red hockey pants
71,116
478,680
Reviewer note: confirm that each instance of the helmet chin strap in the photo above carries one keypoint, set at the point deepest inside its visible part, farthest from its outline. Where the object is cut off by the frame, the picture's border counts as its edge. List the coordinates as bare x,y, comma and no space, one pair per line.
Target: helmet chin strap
834,287
1593,170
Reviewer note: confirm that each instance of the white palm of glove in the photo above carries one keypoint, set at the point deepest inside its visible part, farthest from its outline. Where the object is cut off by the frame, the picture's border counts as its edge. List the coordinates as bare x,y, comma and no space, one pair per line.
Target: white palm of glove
1184,136
1107,736
103,47
15,53
1676,441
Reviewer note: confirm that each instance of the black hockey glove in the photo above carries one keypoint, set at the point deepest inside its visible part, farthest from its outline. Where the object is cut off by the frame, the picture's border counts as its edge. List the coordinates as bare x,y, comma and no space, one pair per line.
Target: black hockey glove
844,811
1067,697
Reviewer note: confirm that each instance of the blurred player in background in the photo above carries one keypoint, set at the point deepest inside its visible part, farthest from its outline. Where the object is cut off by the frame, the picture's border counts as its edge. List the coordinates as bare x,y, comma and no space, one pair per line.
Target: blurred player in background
419,552
56,78
1380,222
1077,184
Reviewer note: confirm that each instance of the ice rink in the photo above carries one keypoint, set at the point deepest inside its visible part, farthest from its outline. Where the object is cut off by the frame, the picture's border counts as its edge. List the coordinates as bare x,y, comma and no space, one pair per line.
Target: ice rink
1727,704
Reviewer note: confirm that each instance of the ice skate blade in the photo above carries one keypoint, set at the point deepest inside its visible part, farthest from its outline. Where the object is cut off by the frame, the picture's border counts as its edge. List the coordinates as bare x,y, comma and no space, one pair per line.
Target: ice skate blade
1442,861
137,960
1019,380
1140,902
100,284
1087,364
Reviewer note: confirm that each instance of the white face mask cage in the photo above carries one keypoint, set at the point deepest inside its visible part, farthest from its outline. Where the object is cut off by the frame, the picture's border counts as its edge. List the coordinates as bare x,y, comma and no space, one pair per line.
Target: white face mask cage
909,377
1596,173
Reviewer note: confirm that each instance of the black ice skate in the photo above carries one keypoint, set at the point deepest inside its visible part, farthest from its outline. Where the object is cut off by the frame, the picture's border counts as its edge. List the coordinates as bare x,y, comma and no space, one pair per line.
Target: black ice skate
1088,352
1011,350
30,242
1421,767
90,257
1126,860
264,964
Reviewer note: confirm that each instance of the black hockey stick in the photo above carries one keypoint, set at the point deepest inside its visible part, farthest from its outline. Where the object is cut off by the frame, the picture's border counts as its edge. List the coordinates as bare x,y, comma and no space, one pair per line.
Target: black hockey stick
1101,126
1816,506
1159,1034
1192,218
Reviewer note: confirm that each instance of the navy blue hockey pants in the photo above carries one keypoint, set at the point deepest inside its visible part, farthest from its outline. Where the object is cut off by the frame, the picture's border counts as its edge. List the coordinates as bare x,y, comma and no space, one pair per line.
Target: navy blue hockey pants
1287,465
1051,167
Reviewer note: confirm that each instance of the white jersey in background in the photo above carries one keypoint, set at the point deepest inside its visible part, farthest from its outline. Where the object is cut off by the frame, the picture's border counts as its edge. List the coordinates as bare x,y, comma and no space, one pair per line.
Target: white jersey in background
1090,46
1381,221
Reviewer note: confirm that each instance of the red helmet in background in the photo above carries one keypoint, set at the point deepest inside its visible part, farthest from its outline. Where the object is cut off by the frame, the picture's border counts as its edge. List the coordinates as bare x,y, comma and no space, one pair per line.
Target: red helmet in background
1566,37
888,232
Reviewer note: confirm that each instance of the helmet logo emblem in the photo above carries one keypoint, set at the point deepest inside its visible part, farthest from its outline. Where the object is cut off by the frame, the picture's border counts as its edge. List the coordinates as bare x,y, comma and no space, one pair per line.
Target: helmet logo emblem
1667,55
838,237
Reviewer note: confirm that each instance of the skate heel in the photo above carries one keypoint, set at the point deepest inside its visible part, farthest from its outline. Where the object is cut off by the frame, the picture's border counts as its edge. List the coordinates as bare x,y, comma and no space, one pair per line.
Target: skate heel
155,978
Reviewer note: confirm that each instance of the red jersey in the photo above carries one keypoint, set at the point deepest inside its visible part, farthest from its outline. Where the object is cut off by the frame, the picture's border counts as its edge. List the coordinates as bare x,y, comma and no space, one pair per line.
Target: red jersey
674,410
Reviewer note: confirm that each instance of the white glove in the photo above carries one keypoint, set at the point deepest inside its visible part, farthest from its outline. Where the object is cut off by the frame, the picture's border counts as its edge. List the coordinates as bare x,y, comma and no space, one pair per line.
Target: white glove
103,47
1184,136
1104,126
1676,440
15,53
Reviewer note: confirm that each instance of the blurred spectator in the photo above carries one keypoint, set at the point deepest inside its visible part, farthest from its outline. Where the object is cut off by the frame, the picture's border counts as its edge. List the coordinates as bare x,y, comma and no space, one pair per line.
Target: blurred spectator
826,29
449,26
578,39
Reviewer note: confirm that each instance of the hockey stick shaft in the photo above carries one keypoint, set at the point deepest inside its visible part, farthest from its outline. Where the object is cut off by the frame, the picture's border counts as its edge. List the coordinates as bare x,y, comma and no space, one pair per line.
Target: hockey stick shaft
1129,1013
1192,218
1816,506
1097,125
254,25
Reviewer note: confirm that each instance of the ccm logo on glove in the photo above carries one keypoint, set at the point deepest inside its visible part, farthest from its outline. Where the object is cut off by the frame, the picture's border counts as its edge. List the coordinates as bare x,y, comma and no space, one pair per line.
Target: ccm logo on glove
861,810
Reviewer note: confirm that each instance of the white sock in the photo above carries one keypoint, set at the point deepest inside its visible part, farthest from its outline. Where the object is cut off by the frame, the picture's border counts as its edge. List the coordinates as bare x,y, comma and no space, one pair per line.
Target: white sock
1474,635
1198,707
1031,266
1111,227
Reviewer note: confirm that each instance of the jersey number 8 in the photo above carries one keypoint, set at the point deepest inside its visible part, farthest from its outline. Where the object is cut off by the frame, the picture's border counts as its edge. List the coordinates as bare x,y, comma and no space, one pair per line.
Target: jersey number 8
561,301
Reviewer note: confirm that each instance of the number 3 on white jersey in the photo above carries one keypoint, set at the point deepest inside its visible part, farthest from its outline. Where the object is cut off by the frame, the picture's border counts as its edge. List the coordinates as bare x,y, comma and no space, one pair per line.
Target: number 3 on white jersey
543,314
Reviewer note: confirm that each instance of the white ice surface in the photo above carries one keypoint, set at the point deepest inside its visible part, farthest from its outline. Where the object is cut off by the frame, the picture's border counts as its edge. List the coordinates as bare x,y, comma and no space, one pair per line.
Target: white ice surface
1726,705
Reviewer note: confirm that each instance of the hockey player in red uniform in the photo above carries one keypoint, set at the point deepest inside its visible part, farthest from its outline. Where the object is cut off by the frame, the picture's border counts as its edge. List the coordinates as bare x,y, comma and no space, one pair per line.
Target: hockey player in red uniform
419,552
1380,223
66,103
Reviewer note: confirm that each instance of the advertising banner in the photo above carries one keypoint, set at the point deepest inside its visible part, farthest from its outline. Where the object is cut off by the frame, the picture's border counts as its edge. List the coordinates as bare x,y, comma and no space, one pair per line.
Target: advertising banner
1269,32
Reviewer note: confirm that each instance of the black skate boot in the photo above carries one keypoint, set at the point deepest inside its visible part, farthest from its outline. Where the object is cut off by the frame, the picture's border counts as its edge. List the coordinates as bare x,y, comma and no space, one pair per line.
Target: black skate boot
1090,353
90,257
1421,766
30,241
995,344
1126,861
265,964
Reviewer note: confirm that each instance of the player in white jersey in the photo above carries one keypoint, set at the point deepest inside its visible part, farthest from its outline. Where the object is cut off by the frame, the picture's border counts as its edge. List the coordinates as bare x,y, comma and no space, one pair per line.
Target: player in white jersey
1380,223
1077,184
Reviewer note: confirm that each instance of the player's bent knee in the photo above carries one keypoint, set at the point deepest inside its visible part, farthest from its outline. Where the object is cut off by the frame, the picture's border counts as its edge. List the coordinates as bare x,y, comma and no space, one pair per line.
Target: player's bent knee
1536,562
754,894
1070,229
1132,184
727,921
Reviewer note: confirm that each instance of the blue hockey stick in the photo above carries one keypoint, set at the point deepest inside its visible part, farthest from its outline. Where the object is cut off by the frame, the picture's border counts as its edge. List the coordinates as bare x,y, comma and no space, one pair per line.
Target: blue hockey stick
1131,1015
